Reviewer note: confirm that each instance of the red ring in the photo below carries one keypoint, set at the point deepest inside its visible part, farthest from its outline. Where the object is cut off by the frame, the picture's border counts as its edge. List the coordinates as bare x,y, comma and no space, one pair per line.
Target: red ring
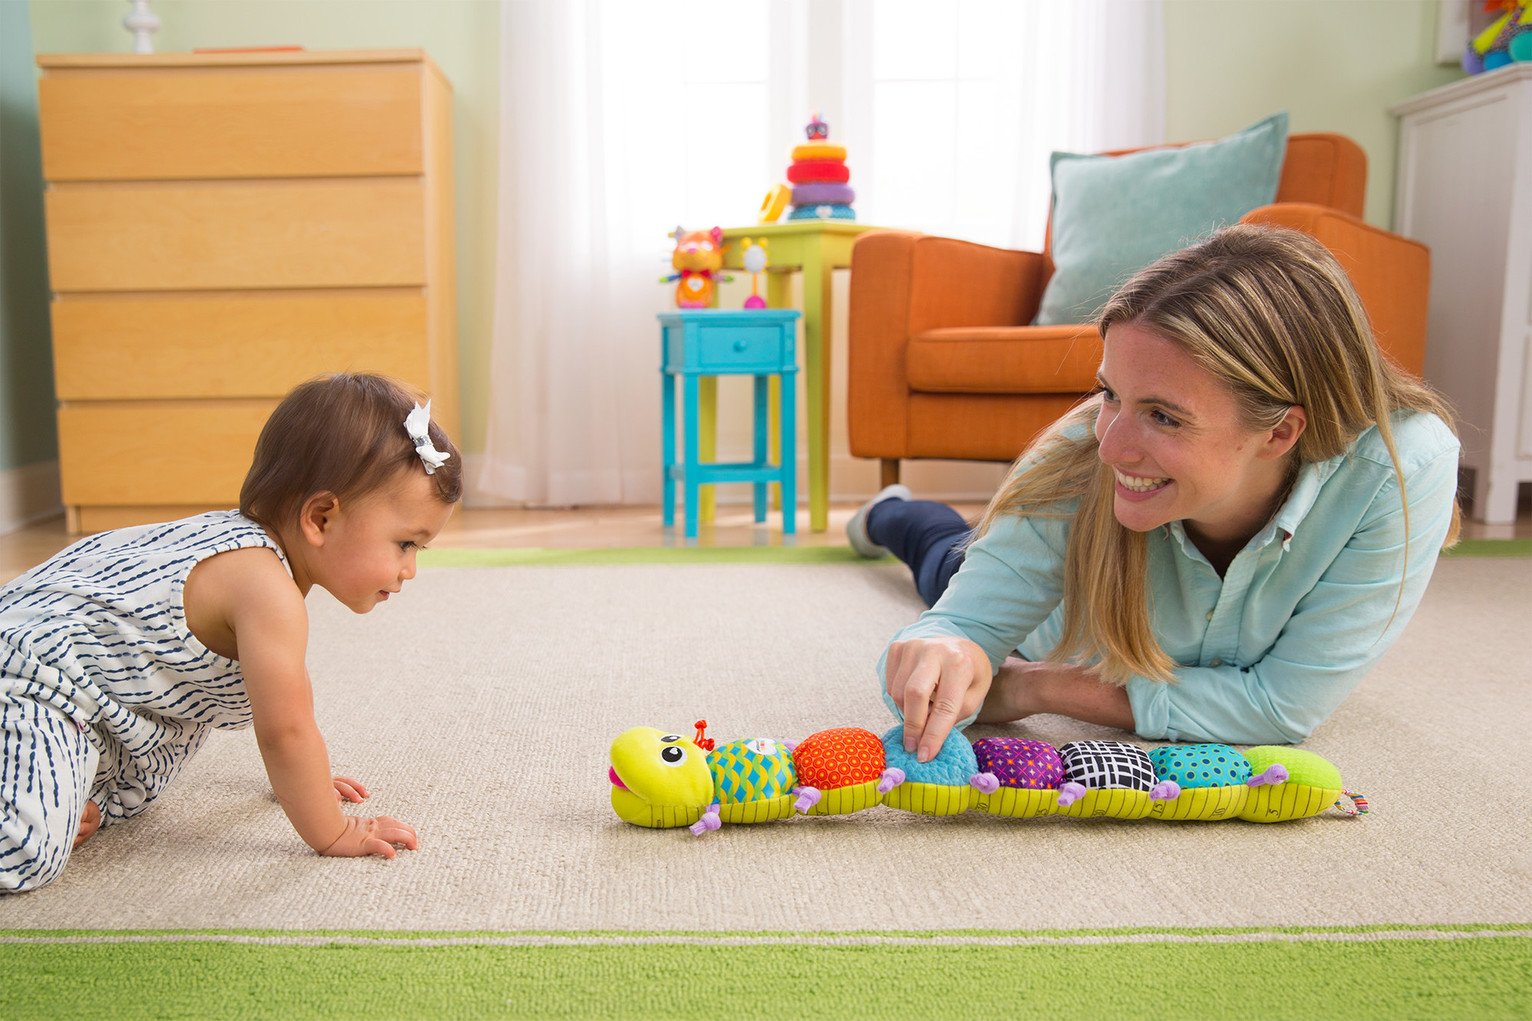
818,172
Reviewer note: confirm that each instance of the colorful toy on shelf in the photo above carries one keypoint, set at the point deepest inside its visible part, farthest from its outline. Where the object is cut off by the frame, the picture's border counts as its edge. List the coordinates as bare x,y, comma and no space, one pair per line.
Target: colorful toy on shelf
665,781
1506,40
820,188
753,258
698,257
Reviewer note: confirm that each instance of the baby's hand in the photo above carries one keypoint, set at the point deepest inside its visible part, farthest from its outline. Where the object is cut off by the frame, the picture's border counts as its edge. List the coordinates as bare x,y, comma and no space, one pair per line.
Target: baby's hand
347,789
372,836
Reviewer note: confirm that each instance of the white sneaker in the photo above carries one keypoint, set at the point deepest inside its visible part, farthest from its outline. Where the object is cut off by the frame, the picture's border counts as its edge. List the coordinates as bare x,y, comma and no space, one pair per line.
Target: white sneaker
856,528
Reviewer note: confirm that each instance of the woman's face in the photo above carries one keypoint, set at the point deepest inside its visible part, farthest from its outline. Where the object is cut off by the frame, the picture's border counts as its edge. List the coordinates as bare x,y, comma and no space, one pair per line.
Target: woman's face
1171,432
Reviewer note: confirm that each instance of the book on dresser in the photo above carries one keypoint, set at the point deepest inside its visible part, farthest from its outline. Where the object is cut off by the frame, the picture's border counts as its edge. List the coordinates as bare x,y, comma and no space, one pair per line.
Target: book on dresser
221,227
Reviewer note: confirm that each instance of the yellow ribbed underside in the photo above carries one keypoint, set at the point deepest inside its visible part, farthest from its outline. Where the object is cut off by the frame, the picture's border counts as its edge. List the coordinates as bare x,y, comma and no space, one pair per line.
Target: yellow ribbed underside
766,810
845,800
931,799
1287,801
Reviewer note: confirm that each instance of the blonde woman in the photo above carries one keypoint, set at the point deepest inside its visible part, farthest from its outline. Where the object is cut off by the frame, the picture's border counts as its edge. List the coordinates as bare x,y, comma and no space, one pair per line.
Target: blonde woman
1215,546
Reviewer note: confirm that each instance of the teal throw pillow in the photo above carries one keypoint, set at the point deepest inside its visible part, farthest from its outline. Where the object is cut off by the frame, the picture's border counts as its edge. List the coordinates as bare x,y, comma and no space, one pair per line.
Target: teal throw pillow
1114,215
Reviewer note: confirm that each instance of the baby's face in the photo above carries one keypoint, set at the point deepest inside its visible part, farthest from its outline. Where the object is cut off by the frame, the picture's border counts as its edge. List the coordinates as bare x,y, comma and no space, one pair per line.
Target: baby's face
370,552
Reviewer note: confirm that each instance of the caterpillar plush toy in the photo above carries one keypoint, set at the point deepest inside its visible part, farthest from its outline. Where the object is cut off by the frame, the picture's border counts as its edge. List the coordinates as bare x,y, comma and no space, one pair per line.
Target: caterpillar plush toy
665,781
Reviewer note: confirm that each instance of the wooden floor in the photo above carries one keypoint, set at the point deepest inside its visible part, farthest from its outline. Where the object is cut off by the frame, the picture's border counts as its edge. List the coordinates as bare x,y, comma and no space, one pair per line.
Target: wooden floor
600,527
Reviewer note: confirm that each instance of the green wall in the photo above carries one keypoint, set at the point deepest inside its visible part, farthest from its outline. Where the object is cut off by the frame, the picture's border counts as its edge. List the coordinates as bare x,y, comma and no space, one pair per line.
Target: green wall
1335,65
28,430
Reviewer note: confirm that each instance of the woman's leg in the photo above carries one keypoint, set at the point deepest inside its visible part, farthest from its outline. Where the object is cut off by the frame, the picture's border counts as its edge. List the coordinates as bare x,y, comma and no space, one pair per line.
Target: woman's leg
926,535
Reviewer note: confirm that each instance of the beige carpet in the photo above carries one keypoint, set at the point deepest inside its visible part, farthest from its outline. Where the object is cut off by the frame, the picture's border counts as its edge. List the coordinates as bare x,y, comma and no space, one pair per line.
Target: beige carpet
479,707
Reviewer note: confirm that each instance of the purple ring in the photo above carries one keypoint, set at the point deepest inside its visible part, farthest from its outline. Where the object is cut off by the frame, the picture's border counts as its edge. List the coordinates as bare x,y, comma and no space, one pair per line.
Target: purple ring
823,193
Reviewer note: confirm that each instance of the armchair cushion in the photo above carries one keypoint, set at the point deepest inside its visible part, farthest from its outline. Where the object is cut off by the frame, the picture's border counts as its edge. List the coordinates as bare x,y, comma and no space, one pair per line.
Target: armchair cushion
1005,360
1113,215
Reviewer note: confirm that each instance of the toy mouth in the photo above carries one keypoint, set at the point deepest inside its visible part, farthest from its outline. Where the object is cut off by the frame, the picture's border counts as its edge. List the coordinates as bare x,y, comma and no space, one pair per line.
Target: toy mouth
616,780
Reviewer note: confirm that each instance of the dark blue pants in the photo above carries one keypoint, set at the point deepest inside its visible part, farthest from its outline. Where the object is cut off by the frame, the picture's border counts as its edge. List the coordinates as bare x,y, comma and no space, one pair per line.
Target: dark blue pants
928,536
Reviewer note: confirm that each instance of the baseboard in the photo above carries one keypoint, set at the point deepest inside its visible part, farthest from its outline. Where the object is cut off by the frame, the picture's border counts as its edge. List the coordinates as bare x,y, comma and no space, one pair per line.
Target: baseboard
29,493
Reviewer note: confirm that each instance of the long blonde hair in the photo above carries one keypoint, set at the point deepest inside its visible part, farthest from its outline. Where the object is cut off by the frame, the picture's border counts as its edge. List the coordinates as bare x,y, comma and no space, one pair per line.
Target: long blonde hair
1269,312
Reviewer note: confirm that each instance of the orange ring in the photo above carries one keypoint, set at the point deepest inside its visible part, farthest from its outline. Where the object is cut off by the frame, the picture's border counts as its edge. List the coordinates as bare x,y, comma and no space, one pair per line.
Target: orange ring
819,151
775,203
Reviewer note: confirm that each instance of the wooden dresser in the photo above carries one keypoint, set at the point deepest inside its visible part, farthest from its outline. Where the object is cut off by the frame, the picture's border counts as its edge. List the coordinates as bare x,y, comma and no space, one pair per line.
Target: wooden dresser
220,228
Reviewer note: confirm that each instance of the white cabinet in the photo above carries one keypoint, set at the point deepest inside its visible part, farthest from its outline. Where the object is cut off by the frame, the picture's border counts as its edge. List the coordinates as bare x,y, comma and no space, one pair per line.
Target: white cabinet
1465,188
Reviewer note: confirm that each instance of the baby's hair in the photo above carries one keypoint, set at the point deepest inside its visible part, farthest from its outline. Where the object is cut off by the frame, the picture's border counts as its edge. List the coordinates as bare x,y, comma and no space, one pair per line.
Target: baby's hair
342,433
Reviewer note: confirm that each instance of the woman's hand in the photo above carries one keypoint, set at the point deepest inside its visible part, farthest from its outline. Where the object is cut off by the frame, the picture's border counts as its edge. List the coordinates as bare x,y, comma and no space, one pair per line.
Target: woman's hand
935,682
347,789
362,837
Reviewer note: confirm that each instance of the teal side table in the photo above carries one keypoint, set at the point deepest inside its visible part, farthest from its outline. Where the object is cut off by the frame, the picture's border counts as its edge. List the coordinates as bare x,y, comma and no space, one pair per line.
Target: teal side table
726,342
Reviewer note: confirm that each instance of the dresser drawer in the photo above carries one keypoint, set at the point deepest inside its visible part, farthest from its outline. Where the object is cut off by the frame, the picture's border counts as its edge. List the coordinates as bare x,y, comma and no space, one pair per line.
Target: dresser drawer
236,234
158,452
156,123
231,343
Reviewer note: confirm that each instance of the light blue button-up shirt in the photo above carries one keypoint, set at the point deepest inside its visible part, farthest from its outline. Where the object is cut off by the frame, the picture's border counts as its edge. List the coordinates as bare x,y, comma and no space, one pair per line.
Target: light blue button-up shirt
1269,650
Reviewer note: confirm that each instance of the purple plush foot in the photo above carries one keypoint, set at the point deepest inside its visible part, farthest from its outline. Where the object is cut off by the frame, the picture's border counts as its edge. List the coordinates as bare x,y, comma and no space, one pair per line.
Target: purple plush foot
1070,793
808,797
1165,790
1275,773
985,783
892,777
709,821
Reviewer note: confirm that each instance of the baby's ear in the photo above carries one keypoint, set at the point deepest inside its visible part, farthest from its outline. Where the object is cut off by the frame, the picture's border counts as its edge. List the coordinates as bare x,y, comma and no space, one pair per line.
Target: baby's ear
317,515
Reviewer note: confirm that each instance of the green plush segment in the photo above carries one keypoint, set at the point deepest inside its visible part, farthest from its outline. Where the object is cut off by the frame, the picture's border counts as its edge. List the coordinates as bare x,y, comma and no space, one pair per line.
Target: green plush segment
1114,215
1302,767
1088,975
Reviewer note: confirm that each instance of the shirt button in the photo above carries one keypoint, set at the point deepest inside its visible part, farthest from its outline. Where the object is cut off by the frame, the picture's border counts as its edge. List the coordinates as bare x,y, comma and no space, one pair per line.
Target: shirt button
1216,662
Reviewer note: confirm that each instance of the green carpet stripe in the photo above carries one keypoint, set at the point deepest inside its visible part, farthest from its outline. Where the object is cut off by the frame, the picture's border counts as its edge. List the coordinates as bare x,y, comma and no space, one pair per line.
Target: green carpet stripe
1484,977
541,557
1491,548
446,557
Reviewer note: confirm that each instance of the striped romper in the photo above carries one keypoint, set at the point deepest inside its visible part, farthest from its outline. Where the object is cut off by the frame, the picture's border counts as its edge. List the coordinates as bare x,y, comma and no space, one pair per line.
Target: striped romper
104,691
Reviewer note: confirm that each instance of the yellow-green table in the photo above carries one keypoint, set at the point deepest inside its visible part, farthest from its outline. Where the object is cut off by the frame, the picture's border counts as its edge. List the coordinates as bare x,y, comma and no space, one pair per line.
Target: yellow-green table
816,248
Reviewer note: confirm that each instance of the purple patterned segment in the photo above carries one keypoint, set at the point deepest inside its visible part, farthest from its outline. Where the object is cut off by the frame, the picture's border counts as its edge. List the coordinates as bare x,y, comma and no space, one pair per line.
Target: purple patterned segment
1030,765
816,194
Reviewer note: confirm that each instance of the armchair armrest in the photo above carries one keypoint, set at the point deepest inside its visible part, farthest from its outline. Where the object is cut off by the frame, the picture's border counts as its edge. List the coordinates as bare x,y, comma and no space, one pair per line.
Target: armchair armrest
903,284
1391,273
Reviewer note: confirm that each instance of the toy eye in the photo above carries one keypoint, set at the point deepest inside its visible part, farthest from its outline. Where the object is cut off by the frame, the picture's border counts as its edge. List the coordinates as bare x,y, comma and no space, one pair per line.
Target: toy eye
670,738
706,246
673,755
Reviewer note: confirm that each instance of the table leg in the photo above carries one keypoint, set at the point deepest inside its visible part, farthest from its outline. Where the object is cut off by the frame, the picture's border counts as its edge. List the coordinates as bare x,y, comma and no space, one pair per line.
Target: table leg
816,363
789,442
690,466
707,422
758,415
779,294
668,445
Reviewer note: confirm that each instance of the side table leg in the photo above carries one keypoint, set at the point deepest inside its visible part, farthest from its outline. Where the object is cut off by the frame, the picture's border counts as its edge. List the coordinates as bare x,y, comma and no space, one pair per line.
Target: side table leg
816,364
707,424
668,447
789,468
690,466
759,415
779,294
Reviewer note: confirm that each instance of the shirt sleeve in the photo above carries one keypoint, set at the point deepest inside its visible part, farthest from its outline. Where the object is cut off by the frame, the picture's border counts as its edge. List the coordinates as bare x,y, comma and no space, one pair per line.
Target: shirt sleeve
1010,581
1337,631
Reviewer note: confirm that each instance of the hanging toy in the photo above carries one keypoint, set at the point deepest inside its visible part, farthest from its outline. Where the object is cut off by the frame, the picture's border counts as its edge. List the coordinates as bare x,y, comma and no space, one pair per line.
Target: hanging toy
754,260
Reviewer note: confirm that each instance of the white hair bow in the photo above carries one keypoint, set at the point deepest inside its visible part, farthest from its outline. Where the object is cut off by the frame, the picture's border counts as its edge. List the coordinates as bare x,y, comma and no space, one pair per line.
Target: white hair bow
418,424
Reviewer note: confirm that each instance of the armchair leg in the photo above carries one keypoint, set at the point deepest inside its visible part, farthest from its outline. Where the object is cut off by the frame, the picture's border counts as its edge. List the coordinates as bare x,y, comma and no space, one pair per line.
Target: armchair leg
889,471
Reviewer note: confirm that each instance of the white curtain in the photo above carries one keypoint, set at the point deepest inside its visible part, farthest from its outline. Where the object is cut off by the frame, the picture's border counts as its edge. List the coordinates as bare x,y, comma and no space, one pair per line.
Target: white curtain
622,120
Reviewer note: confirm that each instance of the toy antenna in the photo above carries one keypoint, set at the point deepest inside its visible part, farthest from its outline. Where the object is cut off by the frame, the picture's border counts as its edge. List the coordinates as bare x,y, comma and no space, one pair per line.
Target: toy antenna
702,740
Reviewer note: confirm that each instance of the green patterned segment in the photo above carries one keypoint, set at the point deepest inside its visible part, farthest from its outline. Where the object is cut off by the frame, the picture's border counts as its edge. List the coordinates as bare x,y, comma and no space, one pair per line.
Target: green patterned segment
753,770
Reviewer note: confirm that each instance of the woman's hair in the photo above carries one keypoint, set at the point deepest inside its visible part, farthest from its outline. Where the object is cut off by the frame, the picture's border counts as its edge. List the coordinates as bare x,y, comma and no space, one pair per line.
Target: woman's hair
1270,313
343,433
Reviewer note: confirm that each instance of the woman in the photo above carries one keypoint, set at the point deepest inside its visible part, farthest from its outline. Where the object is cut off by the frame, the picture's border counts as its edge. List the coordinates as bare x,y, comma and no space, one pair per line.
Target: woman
1215,546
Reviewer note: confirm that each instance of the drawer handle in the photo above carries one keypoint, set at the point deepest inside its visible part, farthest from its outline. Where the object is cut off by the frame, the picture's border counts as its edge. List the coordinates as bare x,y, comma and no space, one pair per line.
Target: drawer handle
740,345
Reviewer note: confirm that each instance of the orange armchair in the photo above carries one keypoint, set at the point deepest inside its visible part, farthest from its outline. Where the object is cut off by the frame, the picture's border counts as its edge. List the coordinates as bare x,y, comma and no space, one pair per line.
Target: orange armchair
943,364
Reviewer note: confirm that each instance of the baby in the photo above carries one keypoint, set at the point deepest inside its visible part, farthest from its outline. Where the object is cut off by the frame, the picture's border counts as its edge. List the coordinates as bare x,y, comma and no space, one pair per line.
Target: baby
120,654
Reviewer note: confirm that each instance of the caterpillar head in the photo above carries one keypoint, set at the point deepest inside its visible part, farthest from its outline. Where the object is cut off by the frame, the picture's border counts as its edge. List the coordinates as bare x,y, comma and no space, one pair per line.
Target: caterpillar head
658,775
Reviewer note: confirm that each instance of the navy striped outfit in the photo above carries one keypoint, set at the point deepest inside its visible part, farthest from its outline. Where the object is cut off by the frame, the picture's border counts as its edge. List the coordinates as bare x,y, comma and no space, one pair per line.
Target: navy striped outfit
104,691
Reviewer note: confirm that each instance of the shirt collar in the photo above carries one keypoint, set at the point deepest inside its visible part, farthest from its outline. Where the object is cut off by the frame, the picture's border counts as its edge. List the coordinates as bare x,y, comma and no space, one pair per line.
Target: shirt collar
1284,523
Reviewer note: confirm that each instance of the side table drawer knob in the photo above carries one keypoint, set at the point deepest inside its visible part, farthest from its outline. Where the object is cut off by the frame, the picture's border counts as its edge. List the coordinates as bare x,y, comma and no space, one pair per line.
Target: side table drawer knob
741,344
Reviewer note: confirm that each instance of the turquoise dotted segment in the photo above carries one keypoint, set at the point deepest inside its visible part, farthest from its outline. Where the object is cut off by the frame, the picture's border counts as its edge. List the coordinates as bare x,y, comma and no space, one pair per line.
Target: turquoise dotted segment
953,766
1201,765
752,770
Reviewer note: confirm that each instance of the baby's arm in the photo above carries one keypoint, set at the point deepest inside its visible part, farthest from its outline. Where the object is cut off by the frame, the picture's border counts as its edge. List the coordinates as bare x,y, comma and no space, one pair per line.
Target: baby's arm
270,624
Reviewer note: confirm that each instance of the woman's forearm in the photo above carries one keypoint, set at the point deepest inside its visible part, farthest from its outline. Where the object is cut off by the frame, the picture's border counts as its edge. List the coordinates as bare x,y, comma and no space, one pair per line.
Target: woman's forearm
1022,688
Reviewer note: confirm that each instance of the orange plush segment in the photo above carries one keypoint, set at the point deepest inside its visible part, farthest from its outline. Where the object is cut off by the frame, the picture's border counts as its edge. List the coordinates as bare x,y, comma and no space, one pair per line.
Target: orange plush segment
843,757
